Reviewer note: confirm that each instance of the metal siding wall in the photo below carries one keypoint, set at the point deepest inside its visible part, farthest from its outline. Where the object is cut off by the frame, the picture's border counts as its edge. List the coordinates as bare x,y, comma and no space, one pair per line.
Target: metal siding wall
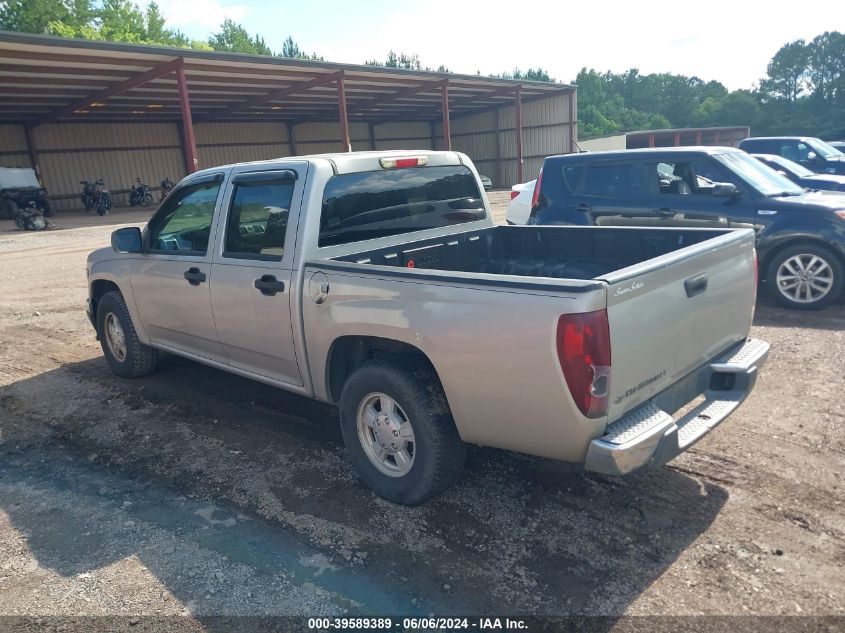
545,132
13,139
405,135
119,168
116,152
68,136
226,143
323,137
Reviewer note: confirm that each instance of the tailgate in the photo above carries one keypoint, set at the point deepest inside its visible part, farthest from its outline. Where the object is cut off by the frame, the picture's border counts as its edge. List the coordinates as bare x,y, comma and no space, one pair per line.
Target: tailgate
673,313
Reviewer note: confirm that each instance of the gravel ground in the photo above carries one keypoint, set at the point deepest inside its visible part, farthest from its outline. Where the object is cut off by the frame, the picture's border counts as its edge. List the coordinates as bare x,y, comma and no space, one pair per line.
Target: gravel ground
195,493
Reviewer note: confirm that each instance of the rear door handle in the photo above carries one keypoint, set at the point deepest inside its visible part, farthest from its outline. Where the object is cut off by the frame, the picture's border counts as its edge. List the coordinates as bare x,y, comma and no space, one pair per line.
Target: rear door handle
584,207
195,276
268,285
663,212
696,285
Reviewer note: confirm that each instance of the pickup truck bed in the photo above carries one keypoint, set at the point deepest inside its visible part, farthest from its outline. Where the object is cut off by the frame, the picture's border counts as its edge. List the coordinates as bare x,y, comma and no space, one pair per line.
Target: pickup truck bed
536,251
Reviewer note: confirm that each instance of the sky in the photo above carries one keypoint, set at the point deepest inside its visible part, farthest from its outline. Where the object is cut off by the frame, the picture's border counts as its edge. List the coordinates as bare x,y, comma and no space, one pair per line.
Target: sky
729,41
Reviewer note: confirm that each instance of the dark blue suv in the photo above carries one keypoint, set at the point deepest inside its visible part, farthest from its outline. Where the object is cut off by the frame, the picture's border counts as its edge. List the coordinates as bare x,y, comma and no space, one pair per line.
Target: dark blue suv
800,234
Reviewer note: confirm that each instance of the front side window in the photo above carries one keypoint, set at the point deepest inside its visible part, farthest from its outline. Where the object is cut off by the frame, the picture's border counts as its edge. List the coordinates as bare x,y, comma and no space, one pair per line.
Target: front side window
258,217
372,204
183,222
691,177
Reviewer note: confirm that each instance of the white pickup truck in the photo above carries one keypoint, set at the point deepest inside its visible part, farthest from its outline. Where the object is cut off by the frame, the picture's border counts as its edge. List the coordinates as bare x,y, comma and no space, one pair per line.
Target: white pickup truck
378,281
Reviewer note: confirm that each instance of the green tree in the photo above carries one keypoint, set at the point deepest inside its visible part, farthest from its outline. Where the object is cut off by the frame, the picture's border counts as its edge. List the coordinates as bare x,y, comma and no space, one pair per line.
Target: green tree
826,61
35,16
156,31
121,21
234,38
532,74
291,49
398,60
788,72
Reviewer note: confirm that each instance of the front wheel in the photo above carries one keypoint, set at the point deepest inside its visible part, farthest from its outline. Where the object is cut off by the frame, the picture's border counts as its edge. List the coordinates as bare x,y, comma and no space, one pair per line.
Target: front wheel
127,356
399,432
8,209
805,276
148,200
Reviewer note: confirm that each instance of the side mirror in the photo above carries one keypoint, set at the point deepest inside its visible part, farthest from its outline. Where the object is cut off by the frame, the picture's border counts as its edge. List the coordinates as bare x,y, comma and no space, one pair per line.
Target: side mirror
127,240
812,156
725,190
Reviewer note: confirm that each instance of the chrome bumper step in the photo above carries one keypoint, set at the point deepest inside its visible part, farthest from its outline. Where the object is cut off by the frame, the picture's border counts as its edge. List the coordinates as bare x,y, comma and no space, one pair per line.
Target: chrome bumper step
648,435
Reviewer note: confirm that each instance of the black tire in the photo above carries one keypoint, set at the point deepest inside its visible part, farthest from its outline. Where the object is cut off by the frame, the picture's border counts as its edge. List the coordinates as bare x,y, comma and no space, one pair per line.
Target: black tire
47,207
780,291
139,360
438,452
8,209
148,200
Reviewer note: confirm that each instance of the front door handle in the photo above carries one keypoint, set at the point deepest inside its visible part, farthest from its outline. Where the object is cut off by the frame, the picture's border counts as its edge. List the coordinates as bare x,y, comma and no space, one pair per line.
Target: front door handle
268,285
195,276
696,285
584,207
663,212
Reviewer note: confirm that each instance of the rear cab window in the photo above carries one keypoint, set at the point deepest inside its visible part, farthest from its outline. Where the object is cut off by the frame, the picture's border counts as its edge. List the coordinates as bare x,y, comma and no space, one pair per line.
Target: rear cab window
367,205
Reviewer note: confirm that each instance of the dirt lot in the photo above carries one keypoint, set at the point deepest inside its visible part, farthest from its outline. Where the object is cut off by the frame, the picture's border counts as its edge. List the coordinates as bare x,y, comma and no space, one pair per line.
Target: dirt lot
198,493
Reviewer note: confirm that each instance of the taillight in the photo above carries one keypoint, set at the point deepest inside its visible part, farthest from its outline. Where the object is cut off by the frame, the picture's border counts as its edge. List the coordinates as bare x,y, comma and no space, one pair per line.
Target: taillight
535,198
583,349
514,194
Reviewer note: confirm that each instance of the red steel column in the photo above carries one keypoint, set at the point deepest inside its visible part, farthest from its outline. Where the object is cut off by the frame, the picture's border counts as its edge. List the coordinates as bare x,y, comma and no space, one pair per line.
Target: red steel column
30,147
447,126
344,121
698,137
518,113
651,140
677,139
189,141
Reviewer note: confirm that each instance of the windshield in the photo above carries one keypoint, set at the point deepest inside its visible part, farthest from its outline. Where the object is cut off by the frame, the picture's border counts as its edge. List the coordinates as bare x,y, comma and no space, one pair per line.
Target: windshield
760,177
823,149
787,165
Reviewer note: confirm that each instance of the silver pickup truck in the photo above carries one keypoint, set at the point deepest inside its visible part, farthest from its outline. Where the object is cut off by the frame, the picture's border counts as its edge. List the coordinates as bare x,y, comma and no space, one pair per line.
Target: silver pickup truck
378,281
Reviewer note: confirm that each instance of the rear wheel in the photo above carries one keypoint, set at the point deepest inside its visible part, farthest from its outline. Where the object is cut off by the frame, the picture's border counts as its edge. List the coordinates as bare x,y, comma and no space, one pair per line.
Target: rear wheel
8,209
125,353
399,432
805,276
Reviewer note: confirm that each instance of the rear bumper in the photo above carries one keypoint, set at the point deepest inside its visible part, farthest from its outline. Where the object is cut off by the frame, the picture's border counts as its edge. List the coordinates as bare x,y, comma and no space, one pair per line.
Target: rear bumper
649,436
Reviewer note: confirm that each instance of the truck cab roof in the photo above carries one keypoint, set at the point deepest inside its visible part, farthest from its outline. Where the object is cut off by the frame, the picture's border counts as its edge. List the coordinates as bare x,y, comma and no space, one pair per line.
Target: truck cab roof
351,162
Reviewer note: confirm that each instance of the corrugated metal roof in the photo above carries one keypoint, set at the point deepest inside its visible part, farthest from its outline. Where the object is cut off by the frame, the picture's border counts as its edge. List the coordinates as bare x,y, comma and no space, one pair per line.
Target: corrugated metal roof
44,77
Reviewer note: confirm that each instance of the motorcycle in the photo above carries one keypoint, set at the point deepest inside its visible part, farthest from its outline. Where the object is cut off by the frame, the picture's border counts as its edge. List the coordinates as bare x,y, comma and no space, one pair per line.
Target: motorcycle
31,218
166,187
96,196
140,195
88,197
